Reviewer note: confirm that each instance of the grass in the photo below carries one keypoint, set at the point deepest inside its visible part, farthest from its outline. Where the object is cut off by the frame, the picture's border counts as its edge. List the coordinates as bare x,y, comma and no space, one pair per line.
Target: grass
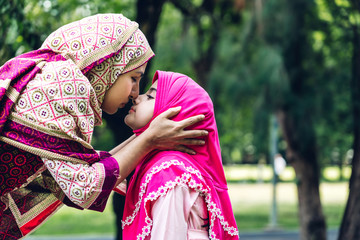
69,221
257,217
264,173
251,203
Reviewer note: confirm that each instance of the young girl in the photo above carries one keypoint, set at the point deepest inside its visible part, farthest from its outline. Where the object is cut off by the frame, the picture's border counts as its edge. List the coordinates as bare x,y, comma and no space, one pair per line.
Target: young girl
174,195
51,99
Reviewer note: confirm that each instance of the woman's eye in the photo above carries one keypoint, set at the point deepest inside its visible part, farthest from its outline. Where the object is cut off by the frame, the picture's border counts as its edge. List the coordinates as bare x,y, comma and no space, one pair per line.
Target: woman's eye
149,96
134,79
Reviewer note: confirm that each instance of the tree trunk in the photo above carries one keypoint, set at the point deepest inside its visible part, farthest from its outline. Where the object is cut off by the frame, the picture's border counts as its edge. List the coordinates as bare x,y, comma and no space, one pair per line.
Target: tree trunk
148,15
301,154
207,38
207,42
295,119
350,225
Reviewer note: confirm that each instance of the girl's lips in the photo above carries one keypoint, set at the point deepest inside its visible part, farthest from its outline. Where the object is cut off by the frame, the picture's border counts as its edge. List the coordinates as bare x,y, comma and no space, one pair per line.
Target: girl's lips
131,110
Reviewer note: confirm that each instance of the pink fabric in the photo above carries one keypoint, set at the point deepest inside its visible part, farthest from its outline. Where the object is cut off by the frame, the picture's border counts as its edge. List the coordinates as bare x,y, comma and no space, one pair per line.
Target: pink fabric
188,220
161,171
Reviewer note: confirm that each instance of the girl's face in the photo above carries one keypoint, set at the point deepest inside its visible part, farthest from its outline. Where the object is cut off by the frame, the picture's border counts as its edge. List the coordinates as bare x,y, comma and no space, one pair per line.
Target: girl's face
125,87
143,109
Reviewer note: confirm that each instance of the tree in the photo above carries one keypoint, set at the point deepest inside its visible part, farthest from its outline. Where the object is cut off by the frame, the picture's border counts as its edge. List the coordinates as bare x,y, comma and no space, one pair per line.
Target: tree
147,15
207,17
350,225
269,57
15,28
286,26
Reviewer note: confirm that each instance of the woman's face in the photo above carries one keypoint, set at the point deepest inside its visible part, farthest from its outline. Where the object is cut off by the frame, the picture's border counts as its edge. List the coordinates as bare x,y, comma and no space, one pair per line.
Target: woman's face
125,87
143,109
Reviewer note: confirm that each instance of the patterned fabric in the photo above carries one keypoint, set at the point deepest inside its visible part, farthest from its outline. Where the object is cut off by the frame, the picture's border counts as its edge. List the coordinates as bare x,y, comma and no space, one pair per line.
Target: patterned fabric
104,75
24,164
50,103
161,171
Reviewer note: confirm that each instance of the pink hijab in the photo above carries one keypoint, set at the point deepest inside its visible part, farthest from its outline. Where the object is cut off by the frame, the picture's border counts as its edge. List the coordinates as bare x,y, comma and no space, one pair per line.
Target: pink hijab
161,171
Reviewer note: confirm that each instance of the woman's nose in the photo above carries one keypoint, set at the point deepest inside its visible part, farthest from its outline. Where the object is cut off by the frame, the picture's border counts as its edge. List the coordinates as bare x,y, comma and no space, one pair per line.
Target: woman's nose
134,91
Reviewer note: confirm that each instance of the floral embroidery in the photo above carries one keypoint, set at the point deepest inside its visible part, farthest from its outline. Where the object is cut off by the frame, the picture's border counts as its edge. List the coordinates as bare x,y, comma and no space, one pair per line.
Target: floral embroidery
191,178
81,183
67,103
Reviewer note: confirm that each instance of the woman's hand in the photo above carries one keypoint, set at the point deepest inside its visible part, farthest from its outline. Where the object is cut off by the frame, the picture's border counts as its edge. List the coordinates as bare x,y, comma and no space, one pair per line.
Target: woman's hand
163,134
170,135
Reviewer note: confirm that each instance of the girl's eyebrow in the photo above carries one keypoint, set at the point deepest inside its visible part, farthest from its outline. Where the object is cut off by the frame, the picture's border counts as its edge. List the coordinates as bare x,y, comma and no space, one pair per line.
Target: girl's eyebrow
152,90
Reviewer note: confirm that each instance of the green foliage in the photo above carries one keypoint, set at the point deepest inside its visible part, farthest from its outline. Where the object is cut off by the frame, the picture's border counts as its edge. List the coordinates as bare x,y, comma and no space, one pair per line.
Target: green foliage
248,77
325,93
175,47
333,108
103,138
26,23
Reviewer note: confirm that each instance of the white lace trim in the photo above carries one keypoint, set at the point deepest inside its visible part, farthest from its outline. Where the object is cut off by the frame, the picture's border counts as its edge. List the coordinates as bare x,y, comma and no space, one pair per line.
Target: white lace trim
184,179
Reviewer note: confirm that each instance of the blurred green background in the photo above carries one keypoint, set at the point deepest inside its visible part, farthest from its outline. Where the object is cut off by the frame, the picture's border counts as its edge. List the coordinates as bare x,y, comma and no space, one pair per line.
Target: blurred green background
296,60
250,192
246,78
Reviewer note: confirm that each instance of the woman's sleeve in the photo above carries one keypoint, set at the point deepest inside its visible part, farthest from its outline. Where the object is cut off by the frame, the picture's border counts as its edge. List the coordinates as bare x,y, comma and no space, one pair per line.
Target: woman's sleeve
87,186
170,214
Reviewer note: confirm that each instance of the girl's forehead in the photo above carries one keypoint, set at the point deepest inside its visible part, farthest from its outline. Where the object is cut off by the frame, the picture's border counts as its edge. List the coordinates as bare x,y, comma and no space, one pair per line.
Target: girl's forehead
152,89
154,85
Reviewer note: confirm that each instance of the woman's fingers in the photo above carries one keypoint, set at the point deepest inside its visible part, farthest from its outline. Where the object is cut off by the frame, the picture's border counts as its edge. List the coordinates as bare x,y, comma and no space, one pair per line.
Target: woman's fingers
193,142
168,134
191,120
171,112
185,149
189,134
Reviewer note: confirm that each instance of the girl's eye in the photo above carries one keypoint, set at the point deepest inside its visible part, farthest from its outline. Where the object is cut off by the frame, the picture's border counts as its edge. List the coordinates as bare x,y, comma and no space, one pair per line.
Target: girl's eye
149,97
134,79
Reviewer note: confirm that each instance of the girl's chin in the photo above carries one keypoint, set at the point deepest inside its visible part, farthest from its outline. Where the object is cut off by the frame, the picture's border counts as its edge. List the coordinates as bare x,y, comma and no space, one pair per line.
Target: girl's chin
127,122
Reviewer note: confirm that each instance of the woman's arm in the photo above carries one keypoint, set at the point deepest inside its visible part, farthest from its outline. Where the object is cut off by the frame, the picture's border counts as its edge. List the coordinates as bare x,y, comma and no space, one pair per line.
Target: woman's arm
121,145
162,134
89,186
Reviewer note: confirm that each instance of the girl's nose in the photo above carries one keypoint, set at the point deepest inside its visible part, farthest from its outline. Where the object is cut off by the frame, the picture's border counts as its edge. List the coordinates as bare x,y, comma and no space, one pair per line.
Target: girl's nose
136,100
133,101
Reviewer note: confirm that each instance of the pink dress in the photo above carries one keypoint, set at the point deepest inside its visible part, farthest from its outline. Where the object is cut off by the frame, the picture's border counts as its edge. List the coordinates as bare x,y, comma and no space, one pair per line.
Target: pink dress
174,195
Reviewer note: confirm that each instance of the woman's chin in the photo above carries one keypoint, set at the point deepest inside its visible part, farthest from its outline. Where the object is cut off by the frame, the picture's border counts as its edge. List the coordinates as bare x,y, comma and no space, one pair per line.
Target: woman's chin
110,111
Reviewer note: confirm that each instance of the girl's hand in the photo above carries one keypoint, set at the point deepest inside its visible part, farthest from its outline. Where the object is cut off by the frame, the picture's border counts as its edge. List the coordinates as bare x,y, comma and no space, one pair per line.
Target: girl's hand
166,134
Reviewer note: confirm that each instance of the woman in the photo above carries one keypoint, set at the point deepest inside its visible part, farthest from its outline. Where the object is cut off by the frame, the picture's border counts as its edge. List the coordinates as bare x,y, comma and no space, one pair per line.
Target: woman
51,99
175,195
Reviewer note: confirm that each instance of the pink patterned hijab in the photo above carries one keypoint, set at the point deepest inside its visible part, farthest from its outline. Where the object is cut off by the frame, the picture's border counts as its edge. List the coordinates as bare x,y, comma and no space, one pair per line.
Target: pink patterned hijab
161,171
102,46
50,101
